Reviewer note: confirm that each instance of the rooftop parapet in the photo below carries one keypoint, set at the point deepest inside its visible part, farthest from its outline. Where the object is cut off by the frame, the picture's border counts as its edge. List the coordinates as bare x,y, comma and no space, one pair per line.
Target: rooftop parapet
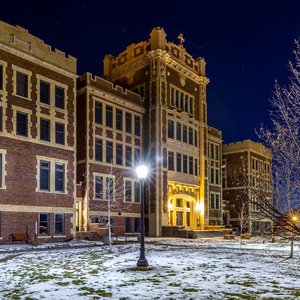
247,145
135,52
20,39
107,86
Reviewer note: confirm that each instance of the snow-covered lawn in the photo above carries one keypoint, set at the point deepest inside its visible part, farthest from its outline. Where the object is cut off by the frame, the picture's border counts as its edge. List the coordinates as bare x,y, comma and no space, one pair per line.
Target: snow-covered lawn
180,269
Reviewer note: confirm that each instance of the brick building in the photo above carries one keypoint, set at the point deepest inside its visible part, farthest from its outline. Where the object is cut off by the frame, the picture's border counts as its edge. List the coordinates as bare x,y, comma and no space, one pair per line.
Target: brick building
37,138
247,173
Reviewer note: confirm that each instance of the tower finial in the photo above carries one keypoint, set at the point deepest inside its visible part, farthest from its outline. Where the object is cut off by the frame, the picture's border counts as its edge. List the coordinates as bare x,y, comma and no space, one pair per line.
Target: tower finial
181,39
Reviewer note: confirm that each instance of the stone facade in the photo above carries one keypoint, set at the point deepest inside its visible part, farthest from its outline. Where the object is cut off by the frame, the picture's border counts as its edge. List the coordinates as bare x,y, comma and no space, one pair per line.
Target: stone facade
37,106
247,170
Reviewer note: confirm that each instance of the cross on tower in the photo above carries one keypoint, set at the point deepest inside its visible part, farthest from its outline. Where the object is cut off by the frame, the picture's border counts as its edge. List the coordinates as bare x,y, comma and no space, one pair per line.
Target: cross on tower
181,39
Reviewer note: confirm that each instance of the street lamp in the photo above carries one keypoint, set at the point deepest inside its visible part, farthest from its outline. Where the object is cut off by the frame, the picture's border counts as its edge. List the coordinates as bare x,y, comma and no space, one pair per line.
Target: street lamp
142,172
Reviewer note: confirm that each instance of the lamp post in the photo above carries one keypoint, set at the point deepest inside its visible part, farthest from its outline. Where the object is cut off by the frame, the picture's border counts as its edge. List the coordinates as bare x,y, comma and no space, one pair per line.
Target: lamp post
142,172
294,219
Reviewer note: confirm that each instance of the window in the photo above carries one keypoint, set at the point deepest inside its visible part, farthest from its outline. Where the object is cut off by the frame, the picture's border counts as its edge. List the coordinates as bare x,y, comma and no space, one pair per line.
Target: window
128,227
178,162
98,187
184,163
109,116
119,119
170,129
184,136
137,125
190,136
128,157
255,203
44,92
44,175
214,164
191,106
137,224
178,131
98,112
171,161
1,170
137,156
195,138
45,130
128,191
59,177
98,150
137,191
196,167
59,97
109,152
128,122
1,77
109,188
22,119
1,119
191,165
59,224
44,224
119,154
186,103
59,133
181,100
255,226
214,200
22,85
179,202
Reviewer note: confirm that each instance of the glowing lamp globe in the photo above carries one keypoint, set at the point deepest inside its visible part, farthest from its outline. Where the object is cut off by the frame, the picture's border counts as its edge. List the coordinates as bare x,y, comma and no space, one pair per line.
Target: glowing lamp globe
142,172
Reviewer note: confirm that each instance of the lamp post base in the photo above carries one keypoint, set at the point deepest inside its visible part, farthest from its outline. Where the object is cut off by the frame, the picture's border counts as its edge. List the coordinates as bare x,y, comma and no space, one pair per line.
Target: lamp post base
142,263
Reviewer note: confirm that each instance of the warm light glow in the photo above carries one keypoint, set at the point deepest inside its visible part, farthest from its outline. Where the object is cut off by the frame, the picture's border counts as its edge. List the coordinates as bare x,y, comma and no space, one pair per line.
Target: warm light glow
294,218
198,207
142,171
171,206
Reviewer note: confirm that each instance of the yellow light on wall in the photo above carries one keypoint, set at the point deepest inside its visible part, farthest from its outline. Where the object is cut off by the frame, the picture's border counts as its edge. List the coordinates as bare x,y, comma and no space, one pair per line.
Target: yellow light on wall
198,207
170,206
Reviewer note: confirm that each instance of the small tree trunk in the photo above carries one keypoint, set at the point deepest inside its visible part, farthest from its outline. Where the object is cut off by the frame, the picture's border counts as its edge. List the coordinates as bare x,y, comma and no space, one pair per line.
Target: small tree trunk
109,227
292,247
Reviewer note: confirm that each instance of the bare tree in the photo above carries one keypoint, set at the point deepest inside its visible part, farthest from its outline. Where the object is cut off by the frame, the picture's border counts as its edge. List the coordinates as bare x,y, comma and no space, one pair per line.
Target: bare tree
284,140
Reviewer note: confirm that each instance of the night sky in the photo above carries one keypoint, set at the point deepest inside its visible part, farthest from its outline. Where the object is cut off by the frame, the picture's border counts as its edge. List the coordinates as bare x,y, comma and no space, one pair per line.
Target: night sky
246,44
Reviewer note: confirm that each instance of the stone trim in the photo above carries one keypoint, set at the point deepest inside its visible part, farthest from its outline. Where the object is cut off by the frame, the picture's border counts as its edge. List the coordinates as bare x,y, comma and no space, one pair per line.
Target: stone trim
36,209
3,171
17,69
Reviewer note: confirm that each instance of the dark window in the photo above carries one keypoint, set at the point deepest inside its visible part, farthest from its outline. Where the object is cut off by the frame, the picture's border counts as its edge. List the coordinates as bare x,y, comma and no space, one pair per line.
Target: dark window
137,192
1,119
178,131
1,77
128,227
137,156
119,154
98,112
128,122
45,130
170,129
172,96
184,135
59,177
109,189
137,126
128,157
44,175
109,116
217,198
119,119
191,136
181,101
98,187
44,224
186,103
191,165
109,152
59,97
196,167
44,92
59,133
98,150
137,224
185,164
22,124
191,106
212,151
22,84
128,191
196,138
178,162
1,171
177,99
59,224
171,161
